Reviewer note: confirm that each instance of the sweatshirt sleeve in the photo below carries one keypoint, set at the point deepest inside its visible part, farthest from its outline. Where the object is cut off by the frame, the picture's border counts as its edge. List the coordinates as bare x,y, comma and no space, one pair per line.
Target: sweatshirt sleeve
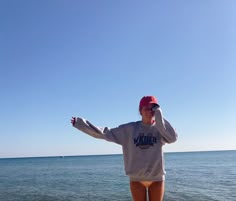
167,132
112,135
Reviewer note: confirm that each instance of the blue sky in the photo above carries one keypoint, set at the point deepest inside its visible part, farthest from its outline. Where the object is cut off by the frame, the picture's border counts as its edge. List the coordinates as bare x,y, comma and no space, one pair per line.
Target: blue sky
96,59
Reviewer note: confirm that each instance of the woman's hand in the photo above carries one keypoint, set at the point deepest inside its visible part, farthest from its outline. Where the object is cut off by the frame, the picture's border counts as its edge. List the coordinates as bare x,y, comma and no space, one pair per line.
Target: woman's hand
155,107
73,120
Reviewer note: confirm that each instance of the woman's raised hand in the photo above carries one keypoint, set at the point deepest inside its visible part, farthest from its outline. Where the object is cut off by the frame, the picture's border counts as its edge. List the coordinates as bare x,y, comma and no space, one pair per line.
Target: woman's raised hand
73,120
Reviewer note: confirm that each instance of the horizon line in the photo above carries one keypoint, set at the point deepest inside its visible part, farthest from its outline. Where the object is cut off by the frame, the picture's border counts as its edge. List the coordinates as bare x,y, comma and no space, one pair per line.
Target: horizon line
84,155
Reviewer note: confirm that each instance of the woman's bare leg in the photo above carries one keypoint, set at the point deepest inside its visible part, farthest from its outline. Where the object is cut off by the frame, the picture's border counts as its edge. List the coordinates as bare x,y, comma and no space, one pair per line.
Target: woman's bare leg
138,190
156,191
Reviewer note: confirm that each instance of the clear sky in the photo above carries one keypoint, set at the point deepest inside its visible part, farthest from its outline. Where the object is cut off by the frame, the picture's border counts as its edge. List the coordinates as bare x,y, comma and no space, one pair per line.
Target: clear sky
97,58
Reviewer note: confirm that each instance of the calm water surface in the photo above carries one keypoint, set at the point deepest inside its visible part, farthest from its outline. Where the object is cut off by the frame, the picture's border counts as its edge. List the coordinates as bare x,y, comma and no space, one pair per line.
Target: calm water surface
191,176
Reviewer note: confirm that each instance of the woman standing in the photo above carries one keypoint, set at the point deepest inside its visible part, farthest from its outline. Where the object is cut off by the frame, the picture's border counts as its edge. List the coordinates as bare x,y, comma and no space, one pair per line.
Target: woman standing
142,143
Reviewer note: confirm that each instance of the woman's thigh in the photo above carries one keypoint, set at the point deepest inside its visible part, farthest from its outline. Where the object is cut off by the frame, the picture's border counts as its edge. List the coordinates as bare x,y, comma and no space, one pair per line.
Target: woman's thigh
156,191
138,191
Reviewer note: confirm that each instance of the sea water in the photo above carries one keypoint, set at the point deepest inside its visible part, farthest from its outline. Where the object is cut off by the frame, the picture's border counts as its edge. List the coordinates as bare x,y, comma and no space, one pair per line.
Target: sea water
191,176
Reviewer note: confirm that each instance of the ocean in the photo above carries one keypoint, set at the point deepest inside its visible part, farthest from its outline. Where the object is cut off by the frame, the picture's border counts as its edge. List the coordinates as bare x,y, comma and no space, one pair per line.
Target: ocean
191,176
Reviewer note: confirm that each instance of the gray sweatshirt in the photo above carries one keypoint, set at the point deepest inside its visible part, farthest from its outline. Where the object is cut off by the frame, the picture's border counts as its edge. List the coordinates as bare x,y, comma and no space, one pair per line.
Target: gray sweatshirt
141,144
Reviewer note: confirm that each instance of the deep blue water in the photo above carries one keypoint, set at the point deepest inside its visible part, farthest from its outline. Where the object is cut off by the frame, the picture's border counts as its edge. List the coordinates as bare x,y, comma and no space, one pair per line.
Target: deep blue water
191,176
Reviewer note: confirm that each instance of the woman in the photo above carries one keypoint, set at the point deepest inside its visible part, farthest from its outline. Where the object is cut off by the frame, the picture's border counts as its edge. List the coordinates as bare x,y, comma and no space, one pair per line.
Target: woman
142,143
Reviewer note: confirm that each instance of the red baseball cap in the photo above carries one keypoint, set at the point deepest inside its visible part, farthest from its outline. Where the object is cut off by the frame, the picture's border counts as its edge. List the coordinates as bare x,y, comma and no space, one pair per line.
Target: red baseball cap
147,100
